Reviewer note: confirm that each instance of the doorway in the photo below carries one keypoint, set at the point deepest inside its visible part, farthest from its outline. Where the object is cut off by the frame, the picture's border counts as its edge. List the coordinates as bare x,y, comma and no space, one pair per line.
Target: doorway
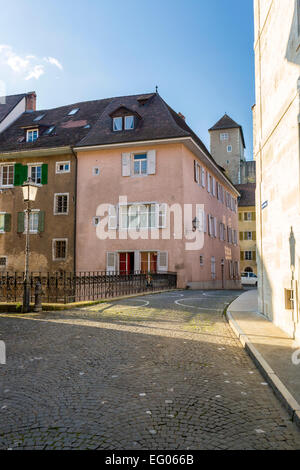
126,263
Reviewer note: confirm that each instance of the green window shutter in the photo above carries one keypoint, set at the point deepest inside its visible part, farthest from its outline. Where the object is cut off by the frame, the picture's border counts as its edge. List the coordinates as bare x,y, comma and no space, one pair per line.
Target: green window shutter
240,216
21,225
7,222
241,236
18,174
24,173
254,255
253,216
253,235
21,174
41,221
242,256
44,173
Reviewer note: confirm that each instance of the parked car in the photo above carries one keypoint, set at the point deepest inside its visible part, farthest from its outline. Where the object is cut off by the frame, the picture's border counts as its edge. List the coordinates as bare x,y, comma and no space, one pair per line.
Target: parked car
249,279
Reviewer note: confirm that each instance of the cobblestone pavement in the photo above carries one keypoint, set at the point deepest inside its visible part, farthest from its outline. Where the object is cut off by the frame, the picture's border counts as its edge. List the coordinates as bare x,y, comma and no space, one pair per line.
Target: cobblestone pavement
155,372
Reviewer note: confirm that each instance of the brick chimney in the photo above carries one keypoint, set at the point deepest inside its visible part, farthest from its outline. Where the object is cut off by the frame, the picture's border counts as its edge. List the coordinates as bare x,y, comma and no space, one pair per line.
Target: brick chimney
182,116
31,101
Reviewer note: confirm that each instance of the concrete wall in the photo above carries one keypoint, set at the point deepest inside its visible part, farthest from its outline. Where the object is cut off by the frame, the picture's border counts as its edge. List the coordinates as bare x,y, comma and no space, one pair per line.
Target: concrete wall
276,150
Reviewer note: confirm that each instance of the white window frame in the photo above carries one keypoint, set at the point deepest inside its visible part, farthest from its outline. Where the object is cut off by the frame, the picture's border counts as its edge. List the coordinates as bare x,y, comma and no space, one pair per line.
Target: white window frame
229,148
58,171
224,136
245,256
125,125
1,175
96,220
115,120
55,205
32,212
3,213
31,132
54,240
141,160
34,165
157,208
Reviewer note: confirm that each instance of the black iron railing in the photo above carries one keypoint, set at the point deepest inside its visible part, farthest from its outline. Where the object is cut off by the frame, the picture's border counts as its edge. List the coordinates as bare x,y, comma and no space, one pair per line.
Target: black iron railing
66,287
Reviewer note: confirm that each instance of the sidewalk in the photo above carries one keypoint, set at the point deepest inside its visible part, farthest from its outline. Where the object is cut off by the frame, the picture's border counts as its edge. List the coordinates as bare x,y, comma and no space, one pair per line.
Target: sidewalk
270,348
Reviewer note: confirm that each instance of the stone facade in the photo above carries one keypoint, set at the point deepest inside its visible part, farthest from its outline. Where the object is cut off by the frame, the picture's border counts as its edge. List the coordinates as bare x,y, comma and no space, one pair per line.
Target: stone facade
276,151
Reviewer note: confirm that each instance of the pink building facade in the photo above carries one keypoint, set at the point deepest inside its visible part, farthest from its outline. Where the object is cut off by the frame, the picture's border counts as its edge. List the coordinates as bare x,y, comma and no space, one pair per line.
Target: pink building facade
151,198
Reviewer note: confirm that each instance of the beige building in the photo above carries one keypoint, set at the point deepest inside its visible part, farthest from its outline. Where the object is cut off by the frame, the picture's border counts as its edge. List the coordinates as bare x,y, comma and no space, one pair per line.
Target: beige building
247,227
276,150
227,146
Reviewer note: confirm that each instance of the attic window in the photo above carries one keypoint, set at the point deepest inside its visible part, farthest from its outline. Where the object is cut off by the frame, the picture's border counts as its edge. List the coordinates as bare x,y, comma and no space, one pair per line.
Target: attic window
32,135
123,123
49,130
38,118
73,111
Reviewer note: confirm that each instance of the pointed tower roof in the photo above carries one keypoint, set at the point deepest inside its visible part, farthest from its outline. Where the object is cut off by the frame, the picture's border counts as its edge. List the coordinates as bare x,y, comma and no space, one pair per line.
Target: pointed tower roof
227,123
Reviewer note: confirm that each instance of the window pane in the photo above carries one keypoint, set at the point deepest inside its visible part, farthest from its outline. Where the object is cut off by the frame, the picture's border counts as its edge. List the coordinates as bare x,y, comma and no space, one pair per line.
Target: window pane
144,167
129,121
136,168
117,126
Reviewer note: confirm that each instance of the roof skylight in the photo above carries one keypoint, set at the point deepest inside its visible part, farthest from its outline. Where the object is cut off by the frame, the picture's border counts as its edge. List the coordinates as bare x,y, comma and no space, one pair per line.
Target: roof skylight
38,118
73,111
49,130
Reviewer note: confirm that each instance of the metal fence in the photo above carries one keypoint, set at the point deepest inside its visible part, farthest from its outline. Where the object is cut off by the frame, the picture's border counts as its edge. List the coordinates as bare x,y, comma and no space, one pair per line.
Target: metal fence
66,287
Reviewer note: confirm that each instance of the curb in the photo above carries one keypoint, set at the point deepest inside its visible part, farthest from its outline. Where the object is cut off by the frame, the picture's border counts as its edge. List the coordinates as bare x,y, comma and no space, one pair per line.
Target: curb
280,390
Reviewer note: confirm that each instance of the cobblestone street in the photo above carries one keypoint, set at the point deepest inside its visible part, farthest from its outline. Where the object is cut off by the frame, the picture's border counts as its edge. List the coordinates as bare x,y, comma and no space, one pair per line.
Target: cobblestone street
156,372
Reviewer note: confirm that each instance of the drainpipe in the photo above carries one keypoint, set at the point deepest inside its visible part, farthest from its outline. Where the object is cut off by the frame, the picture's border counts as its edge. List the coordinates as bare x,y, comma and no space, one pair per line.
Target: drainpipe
75,208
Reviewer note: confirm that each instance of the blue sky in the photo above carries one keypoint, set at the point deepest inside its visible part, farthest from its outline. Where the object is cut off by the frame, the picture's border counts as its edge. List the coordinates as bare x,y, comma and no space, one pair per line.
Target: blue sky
198,52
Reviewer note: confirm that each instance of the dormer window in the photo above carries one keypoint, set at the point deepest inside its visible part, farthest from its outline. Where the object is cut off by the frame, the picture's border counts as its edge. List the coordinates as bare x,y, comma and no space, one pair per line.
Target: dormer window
32,135
129,123
118,124
123,123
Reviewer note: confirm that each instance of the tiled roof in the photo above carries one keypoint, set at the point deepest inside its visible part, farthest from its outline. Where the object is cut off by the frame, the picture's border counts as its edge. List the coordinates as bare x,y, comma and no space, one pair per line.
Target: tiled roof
69,130
247,192
8,103
227,123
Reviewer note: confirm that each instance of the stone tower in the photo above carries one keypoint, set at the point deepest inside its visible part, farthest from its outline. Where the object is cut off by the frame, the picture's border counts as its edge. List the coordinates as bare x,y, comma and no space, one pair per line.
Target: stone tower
227,145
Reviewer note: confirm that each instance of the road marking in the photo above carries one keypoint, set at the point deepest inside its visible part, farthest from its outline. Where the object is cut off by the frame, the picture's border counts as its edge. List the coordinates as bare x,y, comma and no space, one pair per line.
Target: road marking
179,302
145,302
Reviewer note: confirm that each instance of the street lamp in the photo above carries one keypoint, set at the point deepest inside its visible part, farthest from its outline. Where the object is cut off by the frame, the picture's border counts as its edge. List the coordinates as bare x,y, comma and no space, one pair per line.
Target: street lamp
29,189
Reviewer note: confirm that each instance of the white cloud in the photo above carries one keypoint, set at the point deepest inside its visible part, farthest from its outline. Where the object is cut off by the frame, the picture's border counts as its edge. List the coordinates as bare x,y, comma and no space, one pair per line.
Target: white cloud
36,72
28,66
54,61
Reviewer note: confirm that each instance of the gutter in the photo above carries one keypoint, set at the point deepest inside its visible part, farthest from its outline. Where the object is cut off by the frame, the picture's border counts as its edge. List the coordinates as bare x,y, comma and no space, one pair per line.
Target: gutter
33,152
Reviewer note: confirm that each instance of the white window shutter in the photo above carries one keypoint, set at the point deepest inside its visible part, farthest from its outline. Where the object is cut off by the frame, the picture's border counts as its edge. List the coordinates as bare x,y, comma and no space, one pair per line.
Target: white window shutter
215,227
201,217
203,177
151,162
162,261
208,182
204,222
137,261
162,215
111,262
112,217
126,164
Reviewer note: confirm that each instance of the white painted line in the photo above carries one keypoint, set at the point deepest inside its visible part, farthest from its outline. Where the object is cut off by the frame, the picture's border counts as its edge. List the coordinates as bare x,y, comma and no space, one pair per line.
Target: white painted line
146,302
179,302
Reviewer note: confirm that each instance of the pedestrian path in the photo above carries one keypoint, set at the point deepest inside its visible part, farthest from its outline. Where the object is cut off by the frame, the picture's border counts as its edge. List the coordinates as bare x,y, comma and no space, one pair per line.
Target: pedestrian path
274,352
